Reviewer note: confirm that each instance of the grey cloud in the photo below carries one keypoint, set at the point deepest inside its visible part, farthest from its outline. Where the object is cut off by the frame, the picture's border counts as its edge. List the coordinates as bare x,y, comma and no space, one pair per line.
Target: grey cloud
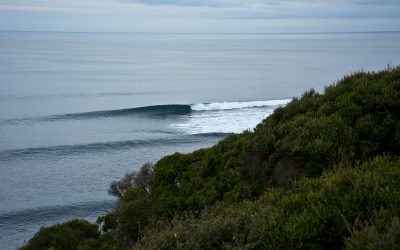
198,3
241,3
349,2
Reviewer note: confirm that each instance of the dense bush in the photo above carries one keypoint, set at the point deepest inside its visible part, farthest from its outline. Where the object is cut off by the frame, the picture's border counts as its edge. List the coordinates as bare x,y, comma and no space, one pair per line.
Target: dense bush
75,234
355,119
320,173
384,233
316,213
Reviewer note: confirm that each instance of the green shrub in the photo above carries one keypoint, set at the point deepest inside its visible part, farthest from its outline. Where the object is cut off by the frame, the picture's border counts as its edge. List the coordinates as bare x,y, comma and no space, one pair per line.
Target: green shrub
75,234
315,214
380,234
320,173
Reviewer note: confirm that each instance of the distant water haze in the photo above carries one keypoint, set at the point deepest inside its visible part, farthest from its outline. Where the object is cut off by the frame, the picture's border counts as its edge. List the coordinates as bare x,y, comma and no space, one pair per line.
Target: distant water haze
56,73
79,110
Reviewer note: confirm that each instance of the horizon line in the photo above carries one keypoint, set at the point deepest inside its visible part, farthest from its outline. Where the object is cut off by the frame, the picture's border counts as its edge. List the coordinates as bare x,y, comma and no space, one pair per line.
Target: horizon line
206,33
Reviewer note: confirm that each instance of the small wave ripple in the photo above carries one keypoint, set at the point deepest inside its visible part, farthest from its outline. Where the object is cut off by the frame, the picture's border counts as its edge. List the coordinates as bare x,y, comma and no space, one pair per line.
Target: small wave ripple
55,213
65,150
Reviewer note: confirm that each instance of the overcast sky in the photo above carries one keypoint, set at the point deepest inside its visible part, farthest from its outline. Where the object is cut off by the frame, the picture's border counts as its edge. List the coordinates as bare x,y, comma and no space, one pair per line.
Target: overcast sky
201,16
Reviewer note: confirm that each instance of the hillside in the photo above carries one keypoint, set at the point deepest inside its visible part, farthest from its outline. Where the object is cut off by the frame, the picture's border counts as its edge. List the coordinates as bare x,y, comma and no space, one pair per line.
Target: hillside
322,172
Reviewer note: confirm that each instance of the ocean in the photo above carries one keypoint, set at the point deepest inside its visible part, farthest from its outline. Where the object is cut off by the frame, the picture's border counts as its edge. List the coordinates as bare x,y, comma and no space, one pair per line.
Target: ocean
79,110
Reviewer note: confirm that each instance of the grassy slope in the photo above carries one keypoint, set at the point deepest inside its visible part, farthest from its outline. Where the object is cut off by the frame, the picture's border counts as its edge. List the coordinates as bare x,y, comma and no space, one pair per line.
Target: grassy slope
322,172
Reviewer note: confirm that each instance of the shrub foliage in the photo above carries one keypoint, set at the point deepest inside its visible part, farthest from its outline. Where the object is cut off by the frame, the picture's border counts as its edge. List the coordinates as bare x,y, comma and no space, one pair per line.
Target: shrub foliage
323,172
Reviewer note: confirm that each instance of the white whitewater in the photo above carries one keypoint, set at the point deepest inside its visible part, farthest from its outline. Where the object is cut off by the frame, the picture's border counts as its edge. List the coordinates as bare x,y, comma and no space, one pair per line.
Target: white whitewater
226,117
237,105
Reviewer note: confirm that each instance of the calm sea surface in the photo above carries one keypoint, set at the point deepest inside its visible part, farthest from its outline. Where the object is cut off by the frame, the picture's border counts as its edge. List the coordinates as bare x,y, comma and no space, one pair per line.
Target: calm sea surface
78,110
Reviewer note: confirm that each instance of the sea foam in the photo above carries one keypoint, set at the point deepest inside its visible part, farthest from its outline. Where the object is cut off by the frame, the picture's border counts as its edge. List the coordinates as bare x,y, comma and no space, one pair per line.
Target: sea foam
237,105
226,117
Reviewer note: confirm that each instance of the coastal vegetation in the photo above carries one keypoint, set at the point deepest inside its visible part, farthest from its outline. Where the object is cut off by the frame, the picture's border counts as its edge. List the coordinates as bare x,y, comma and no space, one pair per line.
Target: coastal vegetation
323,172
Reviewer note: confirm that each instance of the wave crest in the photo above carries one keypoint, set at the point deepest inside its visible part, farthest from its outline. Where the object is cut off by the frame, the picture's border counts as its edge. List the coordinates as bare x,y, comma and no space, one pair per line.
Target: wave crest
237,105
156,111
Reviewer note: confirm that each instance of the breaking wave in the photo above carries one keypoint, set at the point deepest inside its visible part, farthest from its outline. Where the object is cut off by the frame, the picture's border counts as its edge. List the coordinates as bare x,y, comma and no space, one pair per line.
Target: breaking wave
237,105
155,111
